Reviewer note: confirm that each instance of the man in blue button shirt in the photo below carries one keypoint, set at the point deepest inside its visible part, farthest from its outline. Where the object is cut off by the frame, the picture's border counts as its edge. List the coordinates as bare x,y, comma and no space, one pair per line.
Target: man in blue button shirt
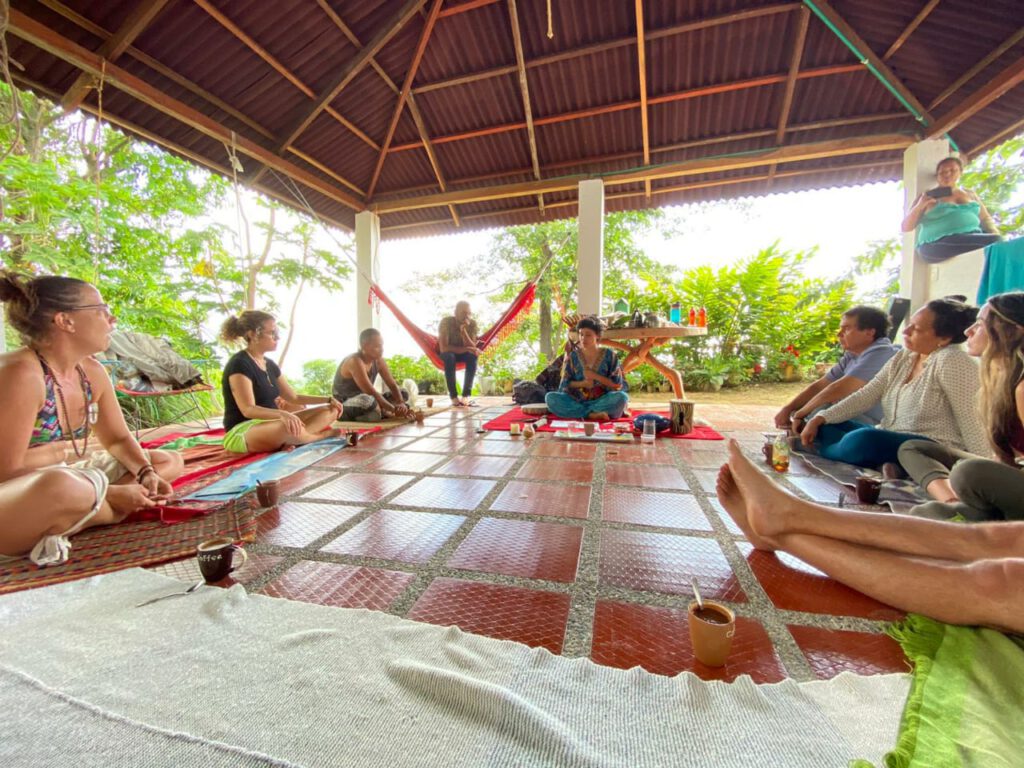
864,335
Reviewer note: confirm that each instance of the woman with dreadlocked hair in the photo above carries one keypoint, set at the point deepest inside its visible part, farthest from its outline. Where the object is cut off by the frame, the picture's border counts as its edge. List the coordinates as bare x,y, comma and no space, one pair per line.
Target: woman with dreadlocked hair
973,487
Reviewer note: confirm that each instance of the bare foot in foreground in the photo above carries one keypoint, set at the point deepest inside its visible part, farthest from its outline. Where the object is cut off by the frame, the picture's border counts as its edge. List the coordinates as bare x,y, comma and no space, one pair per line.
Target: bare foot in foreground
732,500
766,503
599,416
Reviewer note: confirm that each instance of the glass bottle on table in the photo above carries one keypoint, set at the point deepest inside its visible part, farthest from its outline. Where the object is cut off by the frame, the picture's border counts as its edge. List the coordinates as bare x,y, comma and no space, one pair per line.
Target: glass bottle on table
702,318
675,313
780,453
692,317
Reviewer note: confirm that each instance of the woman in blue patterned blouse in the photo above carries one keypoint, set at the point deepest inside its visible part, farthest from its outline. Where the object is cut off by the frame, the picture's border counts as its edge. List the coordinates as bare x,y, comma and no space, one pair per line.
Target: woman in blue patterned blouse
592,386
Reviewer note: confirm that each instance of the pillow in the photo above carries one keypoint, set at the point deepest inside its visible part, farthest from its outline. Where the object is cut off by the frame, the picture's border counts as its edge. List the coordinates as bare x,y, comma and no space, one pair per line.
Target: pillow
660,422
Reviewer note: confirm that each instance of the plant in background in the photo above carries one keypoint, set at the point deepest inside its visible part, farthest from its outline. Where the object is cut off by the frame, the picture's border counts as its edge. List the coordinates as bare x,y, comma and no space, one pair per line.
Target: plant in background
318,377
429,380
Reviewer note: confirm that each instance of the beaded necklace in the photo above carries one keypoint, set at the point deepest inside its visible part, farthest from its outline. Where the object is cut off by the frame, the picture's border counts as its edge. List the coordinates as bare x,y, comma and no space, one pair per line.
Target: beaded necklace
91,412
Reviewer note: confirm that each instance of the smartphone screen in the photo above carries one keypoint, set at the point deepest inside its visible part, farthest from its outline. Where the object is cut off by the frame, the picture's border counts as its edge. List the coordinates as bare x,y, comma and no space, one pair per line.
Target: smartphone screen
940,192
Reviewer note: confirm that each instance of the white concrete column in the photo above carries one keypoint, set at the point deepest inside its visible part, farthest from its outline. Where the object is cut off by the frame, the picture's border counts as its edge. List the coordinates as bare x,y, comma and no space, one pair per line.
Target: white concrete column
919,161
367,248
590,259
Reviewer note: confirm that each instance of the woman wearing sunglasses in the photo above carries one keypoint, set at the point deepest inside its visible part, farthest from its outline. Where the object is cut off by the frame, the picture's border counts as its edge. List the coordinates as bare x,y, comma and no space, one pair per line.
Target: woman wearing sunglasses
57,399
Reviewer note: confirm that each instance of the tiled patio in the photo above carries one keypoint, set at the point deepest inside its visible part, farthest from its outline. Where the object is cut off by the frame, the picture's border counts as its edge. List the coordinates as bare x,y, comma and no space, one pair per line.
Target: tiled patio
586,550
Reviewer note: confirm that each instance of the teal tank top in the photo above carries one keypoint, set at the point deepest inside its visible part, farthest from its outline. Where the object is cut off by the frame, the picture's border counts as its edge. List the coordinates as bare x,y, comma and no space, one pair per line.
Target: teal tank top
949,219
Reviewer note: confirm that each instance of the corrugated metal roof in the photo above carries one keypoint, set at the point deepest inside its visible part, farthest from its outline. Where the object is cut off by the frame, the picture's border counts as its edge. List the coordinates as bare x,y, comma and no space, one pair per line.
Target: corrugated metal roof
715,78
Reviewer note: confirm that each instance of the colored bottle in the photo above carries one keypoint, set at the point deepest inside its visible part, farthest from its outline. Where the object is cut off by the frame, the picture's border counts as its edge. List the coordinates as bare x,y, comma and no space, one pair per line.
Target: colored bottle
692,319
780,453
675,312
702,318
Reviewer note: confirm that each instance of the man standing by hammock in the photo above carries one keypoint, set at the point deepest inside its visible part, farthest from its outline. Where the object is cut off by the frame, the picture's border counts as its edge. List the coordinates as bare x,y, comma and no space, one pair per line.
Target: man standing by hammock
457,339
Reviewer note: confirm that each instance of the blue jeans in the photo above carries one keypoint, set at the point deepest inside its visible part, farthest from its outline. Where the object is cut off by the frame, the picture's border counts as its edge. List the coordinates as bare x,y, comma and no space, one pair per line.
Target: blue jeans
565,406
854,443
450,359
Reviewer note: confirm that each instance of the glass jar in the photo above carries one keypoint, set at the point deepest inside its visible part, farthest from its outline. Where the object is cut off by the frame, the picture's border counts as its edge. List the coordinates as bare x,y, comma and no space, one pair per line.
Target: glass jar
780,453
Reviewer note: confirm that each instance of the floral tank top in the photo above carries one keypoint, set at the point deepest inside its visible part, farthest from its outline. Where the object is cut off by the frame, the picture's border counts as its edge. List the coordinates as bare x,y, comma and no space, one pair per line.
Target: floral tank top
47,428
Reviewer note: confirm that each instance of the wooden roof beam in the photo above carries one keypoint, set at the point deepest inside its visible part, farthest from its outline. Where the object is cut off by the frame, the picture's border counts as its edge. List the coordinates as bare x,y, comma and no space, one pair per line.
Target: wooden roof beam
957,84
472,5
825,9
692,93
112,48
1009,78
41,36
94,29
788,154
641,57
622,42
414,66
524,92
998,138
909,29
795,56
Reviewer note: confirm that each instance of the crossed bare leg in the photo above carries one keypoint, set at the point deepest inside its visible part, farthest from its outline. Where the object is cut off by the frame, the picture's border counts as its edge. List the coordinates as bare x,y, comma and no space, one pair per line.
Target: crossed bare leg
961,574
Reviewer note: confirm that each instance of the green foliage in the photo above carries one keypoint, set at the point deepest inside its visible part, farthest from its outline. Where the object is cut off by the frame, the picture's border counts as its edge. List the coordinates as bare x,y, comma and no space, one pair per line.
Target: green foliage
426,375
317,377
997,176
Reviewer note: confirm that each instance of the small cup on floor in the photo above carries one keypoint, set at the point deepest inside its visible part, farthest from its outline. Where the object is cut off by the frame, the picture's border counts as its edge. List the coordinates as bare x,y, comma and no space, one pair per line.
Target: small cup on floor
868,489
216,558
267,493
711,631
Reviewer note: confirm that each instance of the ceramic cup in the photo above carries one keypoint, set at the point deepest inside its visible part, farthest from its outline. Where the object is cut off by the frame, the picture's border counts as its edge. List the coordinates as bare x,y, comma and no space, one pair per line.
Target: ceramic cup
268,492
515,428
352,438
430,402
588,428
711,631
216,558
868,489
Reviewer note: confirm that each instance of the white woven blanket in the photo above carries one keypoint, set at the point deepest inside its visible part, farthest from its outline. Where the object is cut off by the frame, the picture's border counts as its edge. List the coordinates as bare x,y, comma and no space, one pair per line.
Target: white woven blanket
223,678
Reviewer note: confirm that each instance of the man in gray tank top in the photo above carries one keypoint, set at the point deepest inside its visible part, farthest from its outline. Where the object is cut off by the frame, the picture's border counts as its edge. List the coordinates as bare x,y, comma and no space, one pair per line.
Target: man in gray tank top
354,383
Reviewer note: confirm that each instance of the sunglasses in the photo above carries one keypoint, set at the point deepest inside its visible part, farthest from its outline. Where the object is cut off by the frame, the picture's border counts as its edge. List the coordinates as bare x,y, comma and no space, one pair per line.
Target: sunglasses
104,308
275,334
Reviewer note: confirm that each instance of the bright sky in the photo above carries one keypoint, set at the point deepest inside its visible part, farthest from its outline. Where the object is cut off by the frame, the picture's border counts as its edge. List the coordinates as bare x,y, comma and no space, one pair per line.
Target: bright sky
841,222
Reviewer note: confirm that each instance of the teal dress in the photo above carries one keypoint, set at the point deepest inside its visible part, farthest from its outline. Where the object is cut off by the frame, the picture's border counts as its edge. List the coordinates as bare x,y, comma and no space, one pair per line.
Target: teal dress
578,403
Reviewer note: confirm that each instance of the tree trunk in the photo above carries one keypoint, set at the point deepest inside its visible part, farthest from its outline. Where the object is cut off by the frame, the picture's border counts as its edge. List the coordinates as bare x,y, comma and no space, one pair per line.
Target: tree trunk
544,297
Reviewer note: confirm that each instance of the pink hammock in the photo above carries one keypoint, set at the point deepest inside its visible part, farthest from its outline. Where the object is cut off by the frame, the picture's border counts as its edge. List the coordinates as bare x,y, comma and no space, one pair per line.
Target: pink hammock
428,341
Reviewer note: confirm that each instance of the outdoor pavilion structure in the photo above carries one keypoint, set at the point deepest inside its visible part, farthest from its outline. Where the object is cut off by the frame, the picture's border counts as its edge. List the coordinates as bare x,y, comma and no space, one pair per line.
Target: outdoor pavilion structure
409,118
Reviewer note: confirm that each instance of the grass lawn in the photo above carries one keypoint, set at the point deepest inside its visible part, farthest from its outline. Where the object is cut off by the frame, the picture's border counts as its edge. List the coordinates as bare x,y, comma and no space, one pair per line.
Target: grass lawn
753,394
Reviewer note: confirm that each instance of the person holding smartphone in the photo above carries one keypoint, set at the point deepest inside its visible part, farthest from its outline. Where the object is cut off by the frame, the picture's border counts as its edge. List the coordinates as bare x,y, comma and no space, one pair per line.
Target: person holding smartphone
949,220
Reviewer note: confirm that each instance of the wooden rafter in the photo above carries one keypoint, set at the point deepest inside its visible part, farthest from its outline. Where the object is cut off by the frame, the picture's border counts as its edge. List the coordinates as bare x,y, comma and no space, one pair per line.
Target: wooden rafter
41,36
641,51
622,42
909,29
665,98
788,154
156,66
826,9
999,137
590,162
524,92
112,48
494,216
414,110
472,5
1002,48
414,66
279,67
795,56
1009,78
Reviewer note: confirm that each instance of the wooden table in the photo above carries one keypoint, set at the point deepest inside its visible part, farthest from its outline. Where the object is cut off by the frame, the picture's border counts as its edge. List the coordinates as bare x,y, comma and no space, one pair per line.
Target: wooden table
647,340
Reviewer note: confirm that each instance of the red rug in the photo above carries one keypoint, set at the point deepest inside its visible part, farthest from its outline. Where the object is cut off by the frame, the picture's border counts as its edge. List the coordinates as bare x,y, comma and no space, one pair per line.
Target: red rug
502,423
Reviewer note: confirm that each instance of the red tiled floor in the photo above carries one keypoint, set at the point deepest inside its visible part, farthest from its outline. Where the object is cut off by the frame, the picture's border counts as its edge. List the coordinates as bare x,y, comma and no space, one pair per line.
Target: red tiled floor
667,510
404,461
411,537
412,429
831,651
645,476
460,431
662,562
437,444
564,449
561,500
707,479
793,585
445,493
346,457
295,484
521,548
658,639
498,447
297,524
385,441
527,616
480,466
344,586
557,469
359,487
641,453
188,570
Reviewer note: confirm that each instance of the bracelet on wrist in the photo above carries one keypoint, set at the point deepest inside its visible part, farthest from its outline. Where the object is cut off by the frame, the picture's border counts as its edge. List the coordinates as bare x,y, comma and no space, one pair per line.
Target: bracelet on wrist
144,470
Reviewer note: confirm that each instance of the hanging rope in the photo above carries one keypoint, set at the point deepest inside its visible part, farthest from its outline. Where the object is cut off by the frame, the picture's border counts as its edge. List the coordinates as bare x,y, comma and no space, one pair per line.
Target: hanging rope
551,30
241,222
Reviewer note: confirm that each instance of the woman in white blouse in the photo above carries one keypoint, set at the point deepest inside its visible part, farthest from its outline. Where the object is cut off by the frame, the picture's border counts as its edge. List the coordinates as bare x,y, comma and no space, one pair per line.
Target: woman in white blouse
927,390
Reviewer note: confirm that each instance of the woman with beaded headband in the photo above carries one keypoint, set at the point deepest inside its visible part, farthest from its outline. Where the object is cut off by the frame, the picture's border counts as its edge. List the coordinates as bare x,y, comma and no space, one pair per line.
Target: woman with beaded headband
57,398
964,484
